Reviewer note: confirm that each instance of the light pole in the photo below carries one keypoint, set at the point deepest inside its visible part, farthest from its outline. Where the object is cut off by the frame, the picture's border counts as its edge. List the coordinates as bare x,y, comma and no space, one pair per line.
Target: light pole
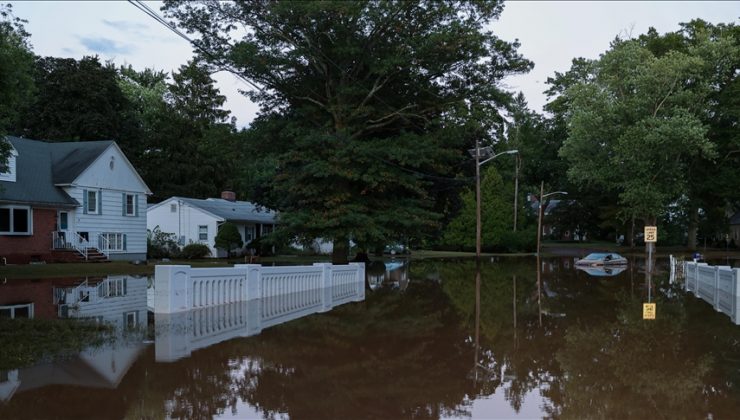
539,221
478,163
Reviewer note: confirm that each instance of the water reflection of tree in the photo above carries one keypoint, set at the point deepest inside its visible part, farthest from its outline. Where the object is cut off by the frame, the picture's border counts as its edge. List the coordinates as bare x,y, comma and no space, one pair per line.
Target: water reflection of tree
395,356
632,367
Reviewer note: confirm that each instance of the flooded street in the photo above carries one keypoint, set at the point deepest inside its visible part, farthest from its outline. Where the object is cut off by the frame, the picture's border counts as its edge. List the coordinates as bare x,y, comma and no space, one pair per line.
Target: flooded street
429,341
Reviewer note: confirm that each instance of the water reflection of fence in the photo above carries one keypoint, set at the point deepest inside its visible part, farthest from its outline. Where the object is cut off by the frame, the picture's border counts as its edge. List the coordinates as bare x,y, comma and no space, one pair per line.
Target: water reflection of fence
197,307
718,285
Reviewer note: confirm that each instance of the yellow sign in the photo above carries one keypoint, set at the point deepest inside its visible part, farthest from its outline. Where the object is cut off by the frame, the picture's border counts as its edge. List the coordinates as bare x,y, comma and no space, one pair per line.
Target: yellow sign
651,234
648,311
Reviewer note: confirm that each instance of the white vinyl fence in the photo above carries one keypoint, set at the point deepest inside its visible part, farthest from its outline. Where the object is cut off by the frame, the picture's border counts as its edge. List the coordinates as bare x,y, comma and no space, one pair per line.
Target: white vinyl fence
718,285
198,307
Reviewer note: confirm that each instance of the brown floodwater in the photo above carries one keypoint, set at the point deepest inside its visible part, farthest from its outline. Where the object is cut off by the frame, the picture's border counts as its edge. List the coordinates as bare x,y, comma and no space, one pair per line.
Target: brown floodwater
430,341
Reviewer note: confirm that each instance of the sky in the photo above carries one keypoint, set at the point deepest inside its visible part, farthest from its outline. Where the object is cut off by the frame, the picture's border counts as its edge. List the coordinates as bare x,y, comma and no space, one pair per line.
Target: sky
551,34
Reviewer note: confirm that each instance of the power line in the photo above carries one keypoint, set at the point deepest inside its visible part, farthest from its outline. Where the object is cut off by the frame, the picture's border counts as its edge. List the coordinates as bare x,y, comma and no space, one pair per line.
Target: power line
154,15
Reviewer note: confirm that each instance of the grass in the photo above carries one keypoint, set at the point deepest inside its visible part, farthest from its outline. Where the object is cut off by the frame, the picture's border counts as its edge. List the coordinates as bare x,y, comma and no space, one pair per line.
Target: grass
37,271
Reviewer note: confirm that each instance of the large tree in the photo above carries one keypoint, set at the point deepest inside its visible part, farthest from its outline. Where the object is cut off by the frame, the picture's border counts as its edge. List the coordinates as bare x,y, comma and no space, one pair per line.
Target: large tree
77,100
188,141
634,127
16,73
367,95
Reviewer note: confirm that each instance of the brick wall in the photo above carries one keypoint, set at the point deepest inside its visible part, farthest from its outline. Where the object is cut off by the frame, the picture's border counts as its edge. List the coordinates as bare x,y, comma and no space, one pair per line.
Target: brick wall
23,249
40,292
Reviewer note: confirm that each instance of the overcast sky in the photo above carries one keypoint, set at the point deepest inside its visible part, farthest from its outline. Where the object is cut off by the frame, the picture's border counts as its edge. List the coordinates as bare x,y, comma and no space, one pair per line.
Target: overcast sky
551,34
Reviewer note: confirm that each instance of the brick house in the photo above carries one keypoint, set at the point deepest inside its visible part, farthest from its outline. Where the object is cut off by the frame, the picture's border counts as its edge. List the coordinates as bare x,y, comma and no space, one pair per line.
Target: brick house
71,200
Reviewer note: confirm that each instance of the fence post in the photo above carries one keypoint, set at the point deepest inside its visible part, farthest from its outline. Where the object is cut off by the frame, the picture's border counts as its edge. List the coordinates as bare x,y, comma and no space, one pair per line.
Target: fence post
252,295
735,296
360,281
715,297
172,288
327,299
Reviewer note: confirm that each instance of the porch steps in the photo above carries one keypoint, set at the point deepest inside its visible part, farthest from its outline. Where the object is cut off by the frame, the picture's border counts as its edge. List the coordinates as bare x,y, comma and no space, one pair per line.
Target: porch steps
70,255
93,255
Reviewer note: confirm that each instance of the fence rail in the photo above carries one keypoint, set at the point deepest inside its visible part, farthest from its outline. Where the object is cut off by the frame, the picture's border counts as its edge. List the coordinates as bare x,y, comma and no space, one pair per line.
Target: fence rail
717,285
247,297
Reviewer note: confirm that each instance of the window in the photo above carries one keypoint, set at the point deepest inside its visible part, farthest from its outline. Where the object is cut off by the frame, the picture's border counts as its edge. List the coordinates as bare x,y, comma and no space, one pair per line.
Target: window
248,233
173,208
130,319
92,202
24,310
129,205
203,233
111,241
267,229
15,220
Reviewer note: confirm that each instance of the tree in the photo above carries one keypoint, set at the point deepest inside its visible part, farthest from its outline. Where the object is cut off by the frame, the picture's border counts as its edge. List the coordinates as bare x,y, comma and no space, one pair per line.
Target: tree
228,238
16,73
368,98
634,127
496,215
78,100
189,146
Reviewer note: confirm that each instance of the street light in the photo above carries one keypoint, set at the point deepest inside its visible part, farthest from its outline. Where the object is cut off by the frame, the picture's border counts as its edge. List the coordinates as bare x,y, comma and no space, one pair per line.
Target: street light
539,222
478,163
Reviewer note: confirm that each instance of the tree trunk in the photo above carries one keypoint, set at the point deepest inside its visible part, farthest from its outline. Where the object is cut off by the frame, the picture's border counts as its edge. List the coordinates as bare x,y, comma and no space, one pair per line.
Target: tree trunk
693,226
632,235
340,251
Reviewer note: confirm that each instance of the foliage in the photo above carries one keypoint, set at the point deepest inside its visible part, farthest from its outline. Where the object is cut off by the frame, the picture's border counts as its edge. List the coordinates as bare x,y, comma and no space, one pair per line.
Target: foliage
496,217
161,244
190,144
195,251
77,100
361,101
29,341
228,237
635,125
16,73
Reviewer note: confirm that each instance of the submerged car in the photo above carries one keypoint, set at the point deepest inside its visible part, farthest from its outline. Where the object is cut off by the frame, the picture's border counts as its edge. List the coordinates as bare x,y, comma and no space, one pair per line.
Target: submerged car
602,259
601,271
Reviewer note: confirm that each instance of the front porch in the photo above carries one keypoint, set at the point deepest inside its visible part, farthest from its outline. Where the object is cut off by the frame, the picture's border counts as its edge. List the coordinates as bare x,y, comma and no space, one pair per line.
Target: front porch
77,246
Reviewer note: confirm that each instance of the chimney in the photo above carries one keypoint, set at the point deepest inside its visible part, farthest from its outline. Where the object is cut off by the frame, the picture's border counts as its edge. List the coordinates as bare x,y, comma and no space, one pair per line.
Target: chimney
228,195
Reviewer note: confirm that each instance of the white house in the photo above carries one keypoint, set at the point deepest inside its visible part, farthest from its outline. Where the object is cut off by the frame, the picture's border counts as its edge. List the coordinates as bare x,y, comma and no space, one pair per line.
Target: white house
79,197
198,221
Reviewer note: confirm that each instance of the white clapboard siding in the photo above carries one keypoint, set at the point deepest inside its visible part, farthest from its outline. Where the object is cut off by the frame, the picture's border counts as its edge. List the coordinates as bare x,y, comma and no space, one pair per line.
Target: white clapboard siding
184,221
112,309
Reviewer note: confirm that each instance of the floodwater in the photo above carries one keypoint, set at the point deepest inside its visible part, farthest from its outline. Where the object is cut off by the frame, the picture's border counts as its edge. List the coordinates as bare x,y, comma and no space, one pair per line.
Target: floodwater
431,340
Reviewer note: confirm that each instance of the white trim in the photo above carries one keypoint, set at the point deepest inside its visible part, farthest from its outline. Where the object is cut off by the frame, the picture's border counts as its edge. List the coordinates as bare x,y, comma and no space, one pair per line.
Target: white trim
206,212
147,191
11,232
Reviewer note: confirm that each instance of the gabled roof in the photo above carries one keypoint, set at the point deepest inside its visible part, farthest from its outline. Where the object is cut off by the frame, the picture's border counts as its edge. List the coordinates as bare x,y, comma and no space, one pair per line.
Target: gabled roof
34,178
231,211
70,159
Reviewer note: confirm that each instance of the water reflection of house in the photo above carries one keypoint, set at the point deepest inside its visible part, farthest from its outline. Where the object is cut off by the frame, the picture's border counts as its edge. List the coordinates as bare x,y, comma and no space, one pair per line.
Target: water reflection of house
117,300
393,274
31,298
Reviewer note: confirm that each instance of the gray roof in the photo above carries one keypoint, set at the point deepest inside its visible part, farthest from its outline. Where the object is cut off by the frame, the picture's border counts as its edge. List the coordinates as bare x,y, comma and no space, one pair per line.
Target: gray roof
69,159
233,211
34,179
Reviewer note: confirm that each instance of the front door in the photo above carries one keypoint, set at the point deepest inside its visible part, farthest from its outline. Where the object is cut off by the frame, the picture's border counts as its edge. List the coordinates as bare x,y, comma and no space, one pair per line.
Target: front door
63,229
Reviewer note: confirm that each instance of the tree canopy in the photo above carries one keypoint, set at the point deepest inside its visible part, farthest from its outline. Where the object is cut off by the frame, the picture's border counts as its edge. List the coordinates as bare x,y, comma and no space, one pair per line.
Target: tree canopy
369,95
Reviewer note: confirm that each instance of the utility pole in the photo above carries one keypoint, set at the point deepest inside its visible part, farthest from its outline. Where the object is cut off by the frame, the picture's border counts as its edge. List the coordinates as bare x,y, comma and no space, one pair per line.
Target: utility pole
517,163
541,211
478,163
477,200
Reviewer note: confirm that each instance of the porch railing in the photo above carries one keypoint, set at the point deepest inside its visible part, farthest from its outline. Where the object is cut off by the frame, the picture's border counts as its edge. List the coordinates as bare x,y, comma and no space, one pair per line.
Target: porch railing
103,245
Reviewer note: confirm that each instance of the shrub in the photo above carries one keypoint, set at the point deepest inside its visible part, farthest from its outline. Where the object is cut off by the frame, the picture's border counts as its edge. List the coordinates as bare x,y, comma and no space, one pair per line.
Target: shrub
192,251
228,238
161,244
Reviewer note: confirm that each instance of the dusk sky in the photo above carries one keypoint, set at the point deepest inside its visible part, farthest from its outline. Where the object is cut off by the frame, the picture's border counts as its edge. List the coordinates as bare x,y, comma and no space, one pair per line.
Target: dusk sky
551,34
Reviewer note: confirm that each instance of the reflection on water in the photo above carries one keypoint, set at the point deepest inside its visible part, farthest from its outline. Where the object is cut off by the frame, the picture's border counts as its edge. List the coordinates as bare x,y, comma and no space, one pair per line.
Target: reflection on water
437,339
